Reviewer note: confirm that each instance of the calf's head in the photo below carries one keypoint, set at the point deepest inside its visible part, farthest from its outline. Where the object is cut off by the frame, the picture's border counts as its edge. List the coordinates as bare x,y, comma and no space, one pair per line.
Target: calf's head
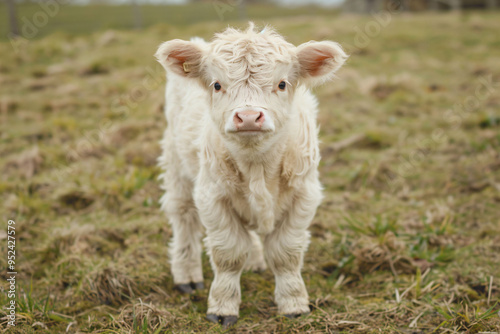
251,77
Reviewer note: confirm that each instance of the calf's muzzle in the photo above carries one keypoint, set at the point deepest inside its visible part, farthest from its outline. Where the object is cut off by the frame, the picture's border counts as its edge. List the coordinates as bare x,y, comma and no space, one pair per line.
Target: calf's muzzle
248,120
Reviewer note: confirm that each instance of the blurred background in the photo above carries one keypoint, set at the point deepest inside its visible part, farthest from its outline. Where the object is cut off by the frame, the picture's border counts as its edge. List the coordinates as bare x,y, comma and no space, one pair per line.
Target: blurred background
84,16
407,239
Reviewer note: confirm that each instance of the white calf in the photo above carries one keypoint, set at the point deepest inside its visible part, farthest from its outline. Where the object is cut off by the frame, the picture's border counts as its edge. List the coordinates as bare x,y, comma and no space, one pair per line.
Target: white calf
240,158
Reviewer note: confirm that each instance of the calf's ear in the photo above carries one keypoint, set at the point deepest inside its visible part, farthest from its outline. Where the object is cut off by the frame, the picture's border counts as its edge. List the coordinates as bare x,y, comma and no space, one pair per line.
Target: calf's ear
180,57
319,61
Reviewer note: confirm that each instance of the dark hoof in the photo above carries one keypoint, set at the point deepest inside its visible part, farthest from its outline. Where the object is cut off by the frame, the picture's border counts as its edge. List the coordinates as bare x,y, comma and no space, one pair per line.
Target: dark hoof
184,288
294,315
190,287
224,320
198,286
213,318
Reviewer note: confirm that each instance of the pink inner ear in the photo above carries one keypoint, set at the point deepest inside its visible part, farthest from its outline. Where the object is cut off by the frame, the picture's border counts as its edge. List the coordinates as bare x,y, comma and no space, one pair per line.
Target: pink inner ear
312,63
179,55
316,62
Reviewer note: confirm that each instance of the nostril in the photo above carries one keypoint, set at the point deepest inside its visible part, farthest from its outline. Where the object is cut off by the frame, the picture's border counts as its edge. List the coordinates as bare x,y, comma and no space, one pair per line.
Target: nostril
261,114
260,119
237,119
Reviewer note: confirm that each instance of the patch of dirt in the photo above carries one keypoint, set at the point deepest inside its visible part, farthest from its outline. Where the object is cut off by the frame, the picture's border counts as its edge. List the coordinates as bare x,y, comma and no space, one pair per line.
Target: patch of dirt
76,200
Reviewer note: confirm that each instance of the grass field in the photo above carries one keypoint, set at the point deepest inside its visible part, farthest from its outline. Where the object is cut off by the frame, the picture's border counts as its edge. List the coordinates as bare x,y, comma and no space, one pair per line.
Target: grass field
407,239
42,20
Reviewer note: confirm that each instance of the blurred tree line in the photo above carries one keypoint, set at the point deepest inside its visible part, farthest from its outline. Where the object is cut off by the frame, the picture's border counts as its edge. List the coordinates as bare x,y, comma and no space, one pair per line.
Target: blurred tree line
368,6
136,12
14,23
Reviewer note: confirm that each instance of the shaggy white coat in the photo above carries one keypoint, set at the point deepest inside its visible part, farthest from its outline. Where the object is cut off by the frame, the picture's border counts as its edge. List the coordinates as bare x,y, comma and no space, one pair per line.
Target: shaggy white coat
237,187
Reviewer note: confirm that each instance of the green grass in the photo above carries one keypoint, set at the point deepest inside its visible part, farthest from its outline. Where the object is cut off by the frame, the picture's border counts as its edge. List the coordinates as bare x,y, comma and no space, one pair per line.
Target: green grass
406,239
40,21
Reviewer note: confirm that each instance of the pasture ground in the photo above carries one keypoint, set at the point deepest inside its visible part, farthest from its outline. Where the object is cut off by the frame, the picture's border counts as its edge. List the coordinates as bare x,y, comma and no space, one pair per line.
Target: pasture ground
407,239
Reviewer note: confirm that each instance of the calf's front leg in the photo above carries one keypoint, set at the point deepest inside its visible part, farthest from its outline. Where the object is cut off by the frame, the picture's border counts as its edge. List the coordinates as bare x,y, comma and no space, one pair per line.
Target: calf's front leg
229,245
229,252
284,250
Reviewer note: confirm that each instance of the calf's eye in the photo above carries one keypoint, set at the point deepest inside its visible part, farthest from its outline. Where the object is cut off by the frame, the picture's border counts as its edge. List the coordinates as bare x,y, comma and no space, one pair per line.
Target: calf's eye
282,85
217,86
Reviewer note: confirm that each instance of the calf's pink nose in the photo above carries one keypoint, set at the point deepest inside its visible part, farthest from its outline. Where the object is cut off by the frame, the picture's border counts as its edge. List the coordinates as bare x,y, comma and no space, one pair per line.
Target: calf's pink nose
248,120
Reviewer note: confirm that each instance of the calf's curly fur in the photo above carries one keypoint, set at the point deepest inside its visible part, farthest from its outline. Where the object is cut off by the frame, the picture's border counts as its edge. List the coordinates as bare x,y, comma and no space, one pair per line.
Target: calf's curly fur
242,187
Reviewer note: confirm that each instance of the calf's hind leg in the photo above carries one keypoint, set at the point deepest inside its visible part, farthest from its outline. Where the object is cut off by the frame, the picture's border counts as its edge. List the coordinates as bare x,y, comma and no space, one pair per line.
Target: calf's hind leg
256,262
185,247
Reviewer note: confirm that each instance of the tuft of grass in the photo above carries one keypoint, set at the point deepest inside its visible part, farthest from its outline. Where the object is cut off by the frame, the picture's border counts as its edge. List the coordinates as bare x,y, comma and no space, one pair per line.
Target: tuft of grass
109,286
466,318
142,318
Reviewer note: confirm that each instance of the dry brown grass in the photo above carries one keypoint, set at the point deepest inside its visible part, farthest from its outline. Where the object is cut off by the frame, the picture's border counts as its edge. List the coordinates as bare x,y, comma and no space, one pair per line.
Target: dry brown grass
406,240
